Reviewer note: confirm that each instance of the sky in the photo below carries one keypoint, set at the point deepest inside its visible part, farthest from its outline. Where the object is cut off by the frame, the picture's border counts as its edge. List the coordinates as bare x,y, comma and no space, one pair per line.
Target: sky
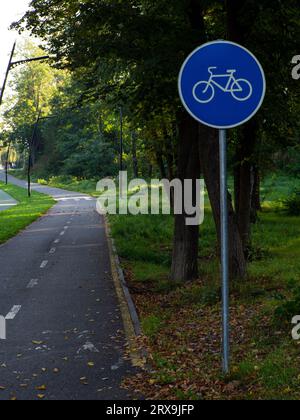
11,10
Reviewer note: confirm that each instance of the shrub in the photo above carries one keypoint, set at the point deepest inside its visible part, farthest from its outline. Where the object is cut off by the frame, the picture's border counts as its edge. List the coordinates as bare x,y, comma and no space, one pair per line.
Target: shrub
292,204
42,182
289,308
61,179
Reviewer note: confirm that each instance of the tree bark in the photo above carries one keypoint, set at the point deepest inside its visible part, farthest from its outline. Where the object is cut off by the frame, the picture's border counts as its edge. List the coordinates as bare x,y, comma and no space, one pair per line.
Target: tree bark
235,30
244,184
150,170
209,160
243,171
255,199
161,165
186,238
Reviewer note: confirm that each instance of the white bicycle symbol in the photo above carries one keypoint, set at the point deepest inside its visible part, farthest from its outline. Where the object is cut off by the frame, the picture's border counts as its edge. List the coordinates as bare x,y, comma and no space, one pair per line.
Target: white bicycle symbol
204,91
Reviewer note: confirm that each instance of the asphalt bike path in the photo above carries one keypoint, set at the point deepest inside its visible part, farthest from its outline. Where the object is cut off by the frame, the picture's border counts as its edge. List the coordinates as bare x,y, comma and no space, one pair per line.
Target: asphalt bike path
65,337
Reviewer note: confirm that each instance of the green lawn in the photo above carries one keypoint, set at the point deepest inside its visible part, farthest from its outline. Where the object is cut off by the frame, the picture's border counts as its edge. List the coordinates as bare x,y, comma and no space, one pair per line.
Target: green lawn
27,211
182,323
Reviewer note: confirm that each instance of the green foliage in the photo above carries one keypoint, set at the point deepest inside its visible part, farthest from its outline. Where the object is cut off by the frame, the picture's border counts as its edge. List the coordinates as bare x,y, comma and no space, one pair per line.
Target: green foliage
32,86
70,183
289,308
292,204
42,181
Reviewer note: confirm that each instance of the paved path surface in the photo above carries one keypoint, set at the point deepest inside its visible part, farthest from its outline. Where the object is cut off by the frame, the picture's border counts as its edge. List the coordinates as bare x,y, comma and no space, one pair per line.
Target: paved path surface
65,337
6,201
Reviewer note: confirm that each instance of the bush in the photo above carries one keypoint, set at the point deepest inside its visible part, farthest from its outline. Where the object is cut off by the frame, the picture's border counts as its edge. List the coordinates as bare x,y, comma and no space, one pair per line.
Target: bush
290,308
61,179
42,182
292,204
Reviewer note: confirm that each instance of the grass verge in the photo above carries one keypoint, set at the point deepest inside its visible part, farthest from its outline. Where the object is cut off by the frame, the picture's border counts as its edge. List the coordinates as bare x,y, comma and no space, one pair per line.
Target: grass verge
26,212
182,323
69,183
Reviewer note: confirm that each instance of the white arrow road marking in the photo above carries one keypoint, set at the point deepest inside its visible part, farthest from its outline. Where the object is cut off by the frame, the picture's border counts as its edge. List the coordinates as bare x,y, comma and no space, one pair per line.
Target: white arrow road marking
52,251
13,312
32,283
88,346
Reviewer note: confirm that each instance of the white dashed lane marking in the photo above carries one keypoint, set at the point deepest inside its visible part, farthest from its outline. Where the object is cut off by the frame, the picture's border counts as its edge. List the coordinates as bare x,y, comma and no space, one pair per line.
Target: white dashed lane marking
44,264
62,233
52,251
13,312
32,283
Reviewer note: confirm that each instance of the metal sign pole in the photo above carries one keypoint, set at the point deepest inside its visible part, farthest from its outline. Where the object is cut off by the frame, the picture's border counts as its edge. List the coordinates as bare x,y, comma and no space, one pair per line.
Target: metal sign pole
224,249
231,107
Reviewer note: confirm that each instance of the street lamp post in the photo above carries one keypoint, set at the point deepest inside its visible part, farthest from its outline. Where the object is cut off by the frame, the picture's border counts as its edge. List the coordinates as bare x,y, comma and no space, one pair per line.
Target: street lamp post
11,65
7,72
121,139
121,153
6,162
30,152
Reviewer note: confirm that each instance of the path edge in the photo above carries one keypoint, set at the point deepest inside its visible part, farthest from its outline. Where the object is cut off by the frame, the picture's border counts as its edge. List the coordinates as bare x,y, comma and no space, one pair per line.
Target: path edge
131,321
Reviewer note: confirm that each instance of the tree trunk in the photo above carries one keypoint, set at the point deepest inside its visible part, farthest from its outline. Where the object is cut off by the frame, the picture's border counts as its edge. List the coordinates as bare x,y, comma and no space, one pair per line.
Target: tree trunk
235,30
255,200
243,171
186,238
245,184
209,160
170,165
161,165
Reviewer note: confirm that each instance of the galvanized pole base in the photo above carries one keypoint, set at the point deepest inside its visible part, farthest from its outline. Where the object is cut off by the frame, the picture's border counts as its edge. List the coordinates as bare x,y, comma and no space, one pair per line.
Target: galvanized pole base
224,249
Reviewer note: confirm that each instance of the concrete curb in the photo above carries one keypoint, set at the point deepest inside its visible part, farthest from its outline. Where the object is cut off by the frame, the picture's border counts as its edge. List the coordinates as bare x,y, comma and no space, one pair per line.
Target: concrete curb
131,321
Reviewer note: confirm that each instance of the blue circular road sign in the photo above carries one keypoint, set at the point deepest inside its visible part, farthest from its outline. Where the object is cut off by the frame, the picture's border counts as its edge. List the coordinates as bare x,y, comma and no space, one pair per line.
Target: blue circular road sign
222,84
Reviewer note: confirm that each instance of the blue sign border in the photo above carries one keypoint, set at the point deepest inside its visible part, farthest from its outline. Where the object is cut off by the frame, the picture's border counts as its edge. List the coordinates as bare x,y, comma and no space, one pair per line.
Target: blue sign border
180,84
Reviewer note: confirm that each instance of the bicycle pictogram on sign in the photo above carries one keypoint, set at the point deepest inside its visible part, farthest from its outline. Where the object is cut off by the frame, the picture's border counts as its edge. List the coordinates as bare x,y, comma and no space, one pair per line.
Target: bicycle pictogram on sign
240,89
